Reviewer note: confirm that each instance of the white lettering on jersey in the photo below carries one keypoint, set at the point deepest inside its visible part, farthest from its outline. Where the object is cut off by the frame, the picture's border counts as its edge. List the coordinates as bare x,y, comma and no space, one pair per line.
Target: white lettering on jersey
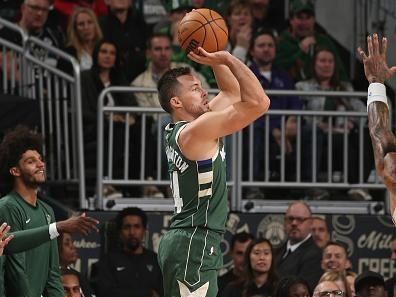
174,157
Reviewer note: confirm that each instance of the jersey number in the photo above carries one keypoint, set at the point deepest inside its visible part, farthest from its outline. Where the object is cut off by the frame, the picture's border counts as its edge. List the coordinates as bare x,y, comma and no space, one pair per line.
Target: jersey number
176,191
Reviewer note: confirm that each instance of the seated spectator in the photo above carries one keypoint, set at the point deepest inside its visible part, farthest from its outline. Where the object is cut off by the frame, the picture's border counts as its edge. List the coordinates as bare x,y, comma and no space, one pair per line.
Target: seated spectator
68,256
259,277
83,33
340,279
240,28
293,287
34,22
65,8
262,52
370,284
266,16
125,27
71,283
298,43
132,270
320,231
328,289
159,54
34,15
239,243
299,256
325,78
106,72
335,257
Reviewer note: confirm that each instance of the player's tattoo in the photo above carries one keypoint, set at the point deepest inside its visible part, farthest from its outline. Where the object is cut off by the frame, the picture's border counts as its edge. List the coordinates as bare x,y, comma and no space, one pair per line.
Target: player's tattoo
382,137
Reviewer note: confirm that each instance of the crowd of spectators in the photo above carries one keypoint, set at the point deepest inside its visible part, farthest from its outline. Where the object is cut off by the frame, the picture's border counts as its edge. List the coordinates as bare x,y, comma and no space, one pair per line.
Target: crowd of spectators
301,267
140,39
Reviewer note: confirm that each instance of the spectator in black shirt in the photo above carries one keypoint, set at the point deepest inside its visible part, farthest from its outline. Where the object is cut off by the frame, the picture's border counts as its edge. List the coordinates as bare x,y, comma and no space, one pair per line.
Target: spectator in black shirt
133,270
34,15
125,26
259,277
239,244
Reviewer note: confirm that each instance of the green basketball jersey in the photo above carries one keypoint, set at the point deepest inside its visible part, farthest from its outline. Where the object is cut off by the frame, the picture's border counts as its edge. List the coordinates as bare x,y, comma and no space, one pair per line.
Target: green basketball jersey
199,187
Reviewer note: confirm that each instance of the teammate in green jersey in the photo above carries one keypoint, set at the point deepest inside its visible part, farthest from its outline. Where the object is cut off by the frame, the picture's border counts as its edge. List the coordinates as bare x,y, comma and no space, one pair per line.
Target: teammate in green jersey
31,265
189,253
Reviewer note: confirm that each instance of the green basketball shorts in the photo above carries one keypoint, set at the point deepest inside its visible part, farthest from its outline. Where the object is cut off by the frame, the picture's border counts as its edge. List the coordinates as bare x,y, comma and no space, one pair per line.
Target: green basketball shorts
190,259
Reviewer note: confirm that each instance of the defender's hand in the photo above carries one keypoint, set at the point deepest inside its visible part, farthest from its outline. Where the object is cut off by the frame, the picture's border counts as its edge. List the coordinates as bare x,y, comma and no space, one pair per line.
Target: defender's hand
375,67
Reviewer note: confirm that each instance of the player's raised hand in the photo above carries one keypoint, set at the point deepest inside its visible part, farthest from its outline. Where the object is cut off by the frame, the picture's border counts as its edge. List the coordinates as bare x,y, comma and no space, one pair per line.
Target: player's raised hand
203,57
4,237
375,67
78,224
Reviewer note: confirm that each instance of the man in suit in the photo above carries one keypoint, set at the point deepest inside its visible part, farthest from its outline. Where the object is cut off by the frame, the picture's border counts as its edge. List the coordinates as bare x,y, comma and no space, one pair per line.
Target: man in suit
300,255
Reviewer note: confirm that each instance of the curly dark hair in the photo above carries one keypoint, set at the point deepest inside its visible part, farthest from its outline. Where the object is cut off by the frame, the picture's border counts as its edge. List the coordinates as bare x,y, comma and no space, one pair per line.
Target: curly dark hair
15,143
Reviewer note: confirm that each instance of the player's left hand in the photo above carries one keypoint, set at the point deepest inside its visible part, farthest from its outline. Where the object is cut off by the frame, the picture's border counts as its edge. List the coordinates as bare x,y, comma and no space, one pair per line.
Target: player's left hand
4,237
375,66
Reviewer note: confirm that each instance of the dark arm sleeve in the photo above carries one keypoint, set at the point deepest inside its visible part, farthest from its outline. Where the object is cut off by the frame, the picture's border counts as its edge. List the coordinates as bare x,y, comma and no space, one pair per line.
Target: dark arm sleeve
15,264
27,239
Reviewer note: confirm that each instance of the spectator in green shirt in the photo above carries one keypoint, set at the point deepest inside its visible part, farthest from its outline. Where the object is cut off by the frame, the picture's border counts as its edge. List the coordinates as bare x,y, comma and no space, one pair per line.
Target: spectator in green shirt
297,44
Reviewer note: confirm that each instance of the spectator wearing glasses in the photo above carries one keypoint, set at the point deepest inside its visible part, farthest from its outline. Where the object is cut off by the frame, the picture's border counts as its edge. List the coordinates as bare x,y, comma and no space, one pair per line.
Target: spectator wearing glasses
328,289
299,256
34,15
339,277
370,283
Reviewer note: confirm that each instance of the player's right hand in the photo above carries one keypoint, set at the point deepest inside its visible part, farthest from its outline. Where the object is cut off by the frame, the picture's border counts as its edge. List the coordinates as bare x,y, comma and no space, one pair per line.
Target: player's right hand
203,57
78,224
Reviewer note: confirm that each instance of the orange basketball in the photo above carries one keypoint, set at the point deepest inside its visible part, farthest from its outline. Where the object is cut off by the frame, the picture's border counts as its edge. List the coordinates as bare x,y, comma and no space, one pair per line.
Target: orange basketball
205,28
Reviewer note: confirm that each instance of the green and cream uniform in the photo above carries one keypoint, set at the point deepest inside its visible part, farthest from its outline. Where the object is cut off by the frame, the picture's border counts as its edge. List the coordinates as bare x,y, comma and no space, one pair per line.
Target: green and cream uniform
34,272
189,253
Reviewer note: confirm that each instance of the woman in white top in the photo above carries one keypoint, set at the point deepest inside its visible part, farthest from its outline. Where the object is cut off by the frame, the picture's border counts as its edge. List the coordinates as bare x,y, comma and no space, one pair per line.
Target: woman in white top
325,78
83,33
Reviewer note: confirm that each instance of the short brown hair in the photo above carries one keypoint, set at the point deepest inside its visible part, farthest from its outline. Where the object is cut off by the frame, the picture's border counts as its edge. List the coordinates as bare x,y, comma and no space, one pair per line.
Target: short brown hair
167,86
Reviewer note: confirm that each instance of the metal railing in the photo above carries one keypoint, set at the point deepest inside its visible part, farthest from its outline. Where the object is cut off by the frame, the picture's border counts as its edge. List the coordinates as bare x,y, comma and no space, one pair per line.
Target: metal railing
242,156
58,94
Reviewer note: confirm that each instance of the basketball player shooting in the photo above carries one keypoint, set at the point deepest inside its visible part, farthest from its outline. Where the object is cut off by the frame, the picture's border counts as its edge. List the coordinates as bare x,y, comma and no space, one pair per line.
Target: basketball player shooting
189,253
382,138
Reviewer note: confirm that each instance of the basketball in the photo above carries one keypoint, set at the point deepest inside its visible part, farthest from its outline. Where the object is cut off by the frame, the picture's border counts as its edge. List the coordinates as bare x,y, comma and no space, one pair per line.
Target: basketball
205,28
